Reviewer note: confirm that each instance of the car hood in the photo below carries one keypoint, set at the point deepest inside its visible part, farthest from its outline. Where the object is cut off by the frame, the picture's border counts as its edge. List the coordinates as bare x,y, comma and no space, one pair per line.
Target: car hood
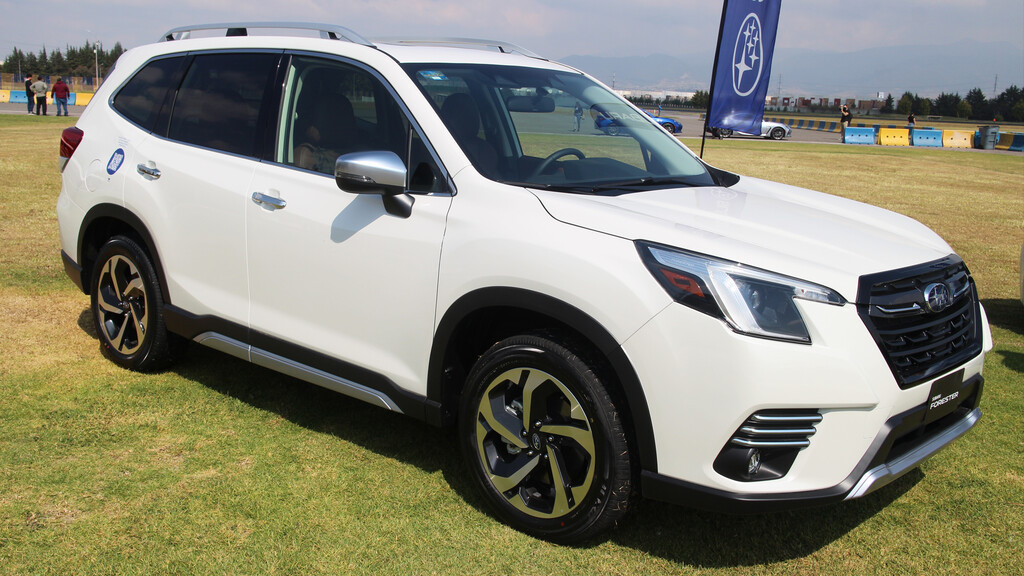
800,233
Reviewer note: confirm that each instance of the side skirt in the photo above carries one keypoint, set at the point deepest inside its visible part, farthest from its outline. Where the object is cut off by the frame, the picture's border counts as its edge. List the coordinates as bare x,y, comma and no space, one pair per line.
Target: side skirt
300,363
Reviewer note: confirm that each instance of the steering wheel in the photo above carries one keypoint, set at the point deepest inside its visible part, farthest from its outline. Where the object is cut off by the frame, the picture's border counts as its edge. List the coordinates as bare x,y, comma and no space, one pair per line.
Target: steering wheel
555,156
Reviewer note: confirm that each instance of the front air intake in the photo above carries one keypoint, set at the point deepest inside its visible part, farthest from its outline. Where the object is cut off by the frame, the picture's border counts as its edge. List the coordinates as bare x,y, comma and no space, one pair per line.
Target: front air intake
766,445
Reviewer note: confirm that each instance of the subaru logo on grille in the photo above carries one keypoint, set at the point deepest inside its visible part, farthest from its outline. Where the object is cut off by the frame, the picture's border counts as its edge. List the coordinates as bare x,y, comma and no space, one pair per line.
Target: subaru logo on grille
937,297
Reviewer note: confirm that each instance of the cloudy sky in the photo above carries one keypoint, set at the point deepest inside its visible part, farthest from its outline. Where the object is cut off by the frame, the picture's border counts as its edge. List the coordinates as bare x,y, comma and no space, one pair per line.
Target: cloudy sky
553,29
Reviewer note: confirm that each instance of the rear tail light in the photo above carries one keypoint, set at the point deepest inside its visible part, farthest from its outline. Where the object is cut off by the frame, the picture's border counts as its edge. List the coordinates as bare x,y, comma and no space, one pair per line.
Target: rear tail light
70,138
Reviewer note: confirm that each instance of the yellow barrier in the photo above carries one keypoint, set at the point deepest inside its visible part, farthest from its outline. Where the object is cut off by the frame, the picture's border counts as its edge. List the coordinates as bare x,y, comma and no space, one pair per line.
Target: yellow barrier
5,96
83,98
894,137
957,139
1004,143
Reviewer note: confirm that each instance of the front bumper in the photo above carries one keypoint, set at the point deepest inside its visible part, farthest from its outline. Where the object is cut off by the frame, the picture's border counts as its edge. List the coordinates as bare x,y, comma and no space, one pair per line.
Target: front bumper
905,441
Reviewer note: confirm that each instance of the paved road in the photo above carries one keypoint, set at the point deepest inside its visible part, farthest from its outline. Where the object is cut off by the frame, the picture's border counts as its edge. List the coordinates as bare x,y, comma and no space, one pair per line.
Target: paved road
51,109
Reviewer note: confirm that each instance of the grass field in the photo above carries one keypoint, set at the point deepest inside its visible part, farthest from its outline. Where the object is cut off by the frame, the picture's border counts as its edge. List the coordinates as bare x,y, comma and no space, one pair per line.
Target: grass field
218,467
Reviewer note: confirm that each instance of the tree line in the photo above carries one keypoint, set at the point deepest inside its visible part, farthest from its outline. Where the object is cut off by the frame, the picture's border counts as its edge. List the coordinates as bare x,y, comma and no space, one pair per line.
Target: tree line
71,61
1007,107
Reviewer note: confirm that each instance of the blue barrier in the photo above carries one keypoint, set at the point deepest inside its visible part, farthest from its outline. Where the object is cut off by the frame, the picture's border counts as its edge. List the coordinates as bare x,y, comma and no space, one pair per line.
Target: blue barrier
1018,143
926,137
859,136
18,97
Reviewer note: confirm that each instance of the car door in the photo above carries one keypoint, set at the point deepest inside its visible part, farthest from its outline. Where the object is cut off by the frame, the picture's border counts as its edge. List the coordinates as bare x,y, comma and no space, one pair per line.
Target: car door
189,180
336,282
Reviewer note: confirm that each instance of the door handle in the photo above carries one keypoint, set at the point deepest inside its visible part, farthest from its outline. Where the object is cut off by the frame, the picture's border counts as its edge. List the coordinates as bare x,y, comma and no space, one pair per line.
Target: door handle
269,201
148,171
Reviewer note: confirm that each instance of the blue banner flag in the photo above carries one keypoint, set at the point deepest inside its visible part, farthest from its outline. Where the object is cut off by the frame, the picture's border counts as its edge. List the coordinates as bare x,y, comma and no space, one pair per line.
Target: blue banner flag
743,64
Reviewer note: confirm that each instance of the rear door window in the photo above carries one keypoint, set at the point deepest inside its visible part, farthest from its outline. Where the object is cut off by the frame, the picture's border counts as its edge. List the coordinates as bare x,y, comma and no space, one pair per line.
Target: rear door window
218,104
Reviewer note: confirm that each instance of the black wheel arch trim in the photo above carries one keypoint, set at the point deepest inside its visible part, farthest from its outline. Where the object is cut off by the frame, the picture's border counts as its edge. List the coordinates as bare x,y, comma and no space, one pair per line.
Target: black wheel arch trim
126,217
442,388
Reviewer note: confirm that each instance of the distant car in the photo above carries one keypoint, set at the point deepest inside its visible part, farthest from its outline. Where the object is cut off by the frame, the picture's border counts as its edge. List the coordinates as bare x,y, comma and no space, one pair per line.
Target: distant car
614,128
670,124
773,130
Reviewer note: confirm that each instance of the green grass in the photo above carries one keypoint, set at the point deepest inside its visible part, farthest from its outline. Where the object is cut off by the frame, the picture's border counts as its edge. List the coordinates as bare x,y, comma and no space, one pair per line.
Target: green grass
219,467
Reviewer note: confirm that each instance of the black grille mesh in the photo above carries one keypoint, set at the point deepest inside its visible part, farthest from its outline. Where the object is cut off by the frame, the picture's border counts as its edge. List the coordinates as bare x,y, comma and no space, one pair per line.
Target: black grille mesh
918,343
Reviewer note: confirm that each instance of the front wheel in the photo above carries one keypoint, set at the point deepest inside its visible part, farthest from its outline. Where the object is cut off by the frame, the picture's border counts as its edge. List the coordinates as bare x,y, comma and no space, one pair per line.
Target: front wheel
777,134
545,440
127,308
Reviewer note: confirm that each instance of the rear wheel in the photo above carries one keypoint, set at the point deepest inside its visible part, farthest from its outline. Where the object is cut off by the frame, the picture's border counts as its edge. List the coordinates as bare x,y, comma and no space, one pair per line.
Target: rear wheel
545,440
127,308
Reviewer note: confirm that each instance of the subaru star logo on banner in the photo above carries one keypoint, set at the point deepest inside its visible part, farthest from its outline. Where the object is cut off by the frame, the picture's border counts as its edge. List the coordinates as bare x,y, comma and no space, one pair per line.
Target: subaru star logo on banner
743,64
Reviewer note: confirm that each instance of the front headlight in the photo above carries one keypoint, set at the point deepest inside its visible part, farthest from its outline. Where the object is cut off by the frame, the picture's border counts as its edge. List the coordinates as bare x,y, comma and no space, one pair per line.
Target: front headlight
752,301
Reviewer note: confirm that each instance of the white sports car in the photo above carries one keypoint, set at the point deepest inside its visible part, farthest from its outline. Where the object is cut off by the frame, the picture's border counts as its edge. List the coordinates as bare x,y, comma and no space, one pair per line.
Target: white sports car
773,130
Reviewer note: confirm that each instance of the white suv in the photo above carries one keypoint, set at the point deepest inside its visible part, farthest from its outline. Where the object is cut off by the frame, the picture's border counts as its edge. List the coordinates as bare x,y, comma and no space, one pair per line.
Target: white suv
429,227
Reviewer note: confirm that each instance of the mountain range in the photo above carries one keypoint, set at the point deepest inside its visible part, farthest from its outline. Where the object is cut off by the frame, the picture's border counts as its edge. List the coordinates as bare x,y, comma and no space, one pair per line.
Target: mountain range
923,70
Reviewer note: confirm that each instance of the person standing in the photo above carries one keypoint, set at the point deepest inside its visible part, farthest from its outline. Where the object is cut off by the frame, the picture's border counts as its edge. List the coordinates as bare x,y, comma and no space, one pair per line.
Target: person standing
39,89
28,92
577,117
60,94
845,117
911,120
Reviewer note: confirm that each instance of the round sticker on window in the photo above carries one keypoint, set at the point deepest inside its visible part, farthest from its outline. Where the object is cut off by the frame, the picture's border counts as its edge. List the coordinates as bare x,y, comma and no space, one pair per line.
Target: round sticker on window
115,161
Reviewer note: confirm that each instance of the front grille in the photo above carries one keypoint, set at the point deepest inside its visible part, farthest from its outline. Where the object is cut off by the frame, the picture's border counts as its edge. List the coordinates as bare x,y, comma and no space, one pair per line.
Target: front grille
918,341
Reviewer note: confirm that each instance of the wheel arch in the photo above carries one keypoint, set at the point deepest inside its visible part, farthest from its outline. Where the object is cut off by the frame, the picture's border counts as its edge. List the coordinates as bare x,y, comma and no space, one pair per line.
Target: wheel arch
480,318
103,222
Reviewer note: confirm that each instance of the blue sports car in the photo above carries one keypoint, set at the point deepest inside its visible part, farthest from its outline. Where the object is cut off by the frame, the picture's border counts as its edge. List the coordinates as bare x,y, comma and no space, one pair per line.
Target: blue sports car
610,126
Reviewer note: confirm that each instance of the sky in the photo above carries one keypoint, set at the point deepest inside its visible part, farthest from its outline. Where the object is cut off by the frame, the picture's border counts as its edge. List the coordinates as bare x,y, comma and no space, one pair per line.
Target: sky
553,29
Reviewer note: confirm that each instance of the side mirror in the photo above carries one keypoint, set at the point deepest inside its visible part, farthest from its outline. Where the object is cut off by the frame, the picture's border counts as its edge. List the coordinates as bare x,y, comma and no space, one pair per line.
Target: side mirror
377,172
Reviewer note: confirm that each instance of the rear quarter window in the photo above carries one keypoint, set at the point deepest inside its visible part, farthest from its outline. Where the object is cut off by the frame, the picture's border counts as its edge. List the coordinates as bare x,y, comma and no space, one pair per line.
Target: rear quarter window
140,99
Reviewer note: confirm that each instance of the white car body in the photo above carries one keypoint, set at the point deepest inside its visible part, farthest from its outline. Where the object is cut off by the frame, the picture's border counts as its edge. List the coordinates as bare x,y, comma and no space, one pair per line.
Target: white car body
335,278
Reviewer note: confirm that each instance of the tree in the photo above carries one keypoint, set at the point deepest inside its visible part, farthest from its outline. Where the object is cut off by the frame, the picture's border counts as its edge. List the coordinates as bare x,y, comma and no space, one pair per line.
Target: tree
1016,114
699,100
980,109
889,106
946,104
906,105
963,109
922,106
1003,105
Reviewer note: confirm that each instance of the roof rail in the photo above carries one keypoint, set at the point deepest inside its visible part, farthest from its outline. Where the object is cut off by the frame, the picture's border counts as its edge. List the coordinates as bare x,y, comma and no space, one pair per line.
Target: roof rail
328,31
500,46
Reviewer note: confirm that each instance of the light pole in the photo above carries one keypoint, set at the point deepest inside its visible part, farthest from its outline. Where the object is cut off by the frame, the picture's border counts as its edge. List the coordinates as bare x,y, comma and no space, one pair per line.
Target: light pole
96,50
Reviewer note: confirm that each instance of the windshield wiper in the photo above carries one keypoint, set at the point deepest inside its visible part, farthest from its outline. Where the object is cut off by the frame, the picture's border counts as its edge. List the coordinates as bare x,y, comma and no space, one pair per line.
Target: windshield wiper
642,183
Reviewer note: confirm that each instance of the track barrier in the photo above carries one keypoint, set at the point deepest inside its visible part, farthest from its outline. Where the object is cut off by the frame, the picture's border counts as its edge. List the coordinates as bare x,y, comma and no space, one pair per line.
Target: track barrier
859,136
957,138
926,137
894,137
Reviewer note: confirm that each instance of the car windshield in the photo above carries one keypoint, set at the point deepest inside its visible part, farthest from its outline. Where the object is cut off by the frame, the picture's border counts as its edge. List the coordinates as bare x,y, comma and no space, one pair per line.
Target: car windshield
554,129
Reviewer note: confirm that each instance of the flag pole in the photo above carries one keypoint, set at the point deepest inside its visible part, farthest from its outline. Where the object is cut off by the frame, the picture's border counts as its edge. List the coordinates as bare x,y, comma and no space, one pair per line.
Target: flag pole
714,72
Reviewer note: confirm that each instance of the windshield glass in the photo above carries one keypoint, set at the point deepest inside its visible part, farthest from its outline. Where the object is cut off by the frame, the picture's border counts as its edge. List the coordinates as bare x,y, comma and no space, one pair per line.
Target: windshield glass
554,129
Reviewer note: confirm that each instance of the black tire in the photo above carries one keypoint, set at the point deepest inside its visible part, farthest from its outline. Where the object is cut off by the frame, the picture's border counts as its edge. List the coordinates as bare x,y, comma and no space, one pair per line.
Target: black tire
566,426
777,133
127,308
